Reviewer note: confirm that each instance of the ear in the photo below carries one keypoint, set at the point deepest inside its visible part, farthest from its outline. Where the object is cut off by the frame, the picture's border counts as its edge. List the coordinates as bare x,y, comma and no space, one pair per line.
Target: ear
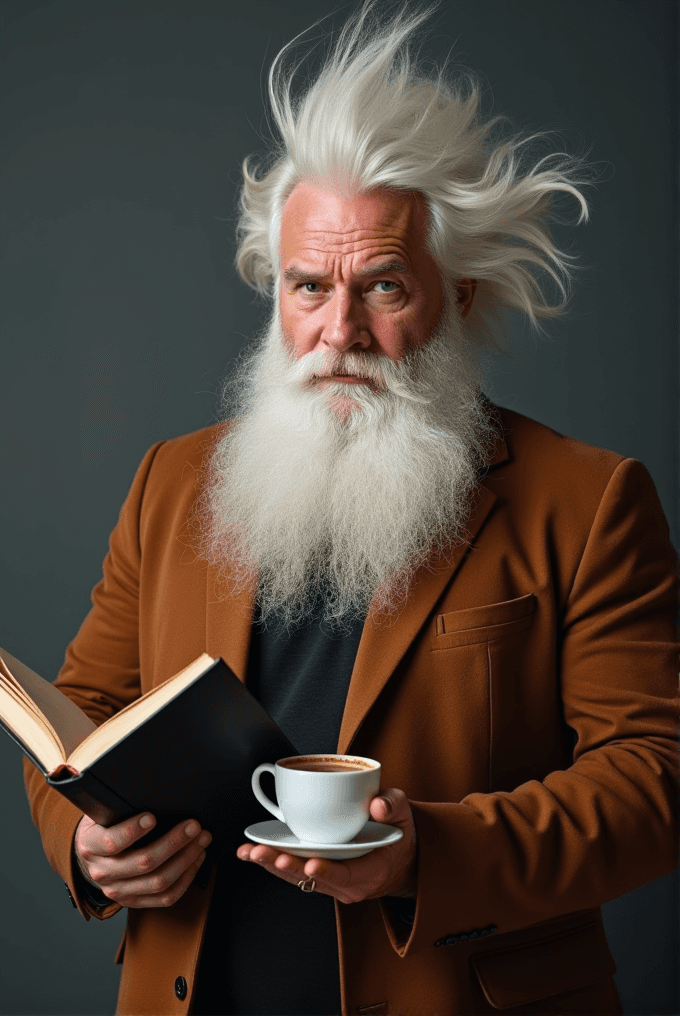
466,293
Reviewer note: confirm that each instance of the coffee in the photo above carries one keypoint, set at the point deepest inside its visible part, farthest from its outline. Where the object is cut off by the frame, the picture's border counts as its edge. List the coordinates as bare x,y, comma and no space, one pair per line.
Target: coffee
330,765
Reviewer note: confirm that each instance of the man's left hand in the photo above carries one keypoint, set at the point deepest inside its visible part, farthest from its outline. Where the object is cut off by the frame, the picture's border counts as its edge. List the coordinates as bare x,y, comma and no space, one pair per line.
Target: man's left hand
386,871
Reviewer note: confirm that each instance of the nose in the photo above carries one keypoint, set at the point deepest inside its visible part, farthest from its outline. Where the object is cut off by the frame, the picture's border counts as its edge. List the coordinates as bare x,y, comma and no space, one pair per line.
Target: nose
343,328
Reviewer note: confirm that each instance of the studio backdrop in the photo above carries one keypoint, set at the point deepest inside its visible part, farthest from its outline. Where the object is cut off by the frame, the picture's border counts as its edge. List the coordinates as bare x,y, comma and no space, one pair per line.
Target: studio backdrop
124,126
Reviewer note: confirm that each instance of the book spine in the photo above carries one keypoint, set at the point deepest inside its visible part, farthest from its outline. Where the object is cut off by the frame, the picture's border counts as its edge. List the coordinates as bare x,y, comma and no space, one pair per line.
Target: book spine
92,796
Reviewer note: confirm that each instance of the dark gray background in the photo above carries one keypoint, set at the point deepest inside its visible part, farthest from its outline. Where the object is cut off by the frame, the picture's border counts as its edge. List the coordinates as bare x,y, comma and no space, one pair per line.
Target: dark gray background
124,125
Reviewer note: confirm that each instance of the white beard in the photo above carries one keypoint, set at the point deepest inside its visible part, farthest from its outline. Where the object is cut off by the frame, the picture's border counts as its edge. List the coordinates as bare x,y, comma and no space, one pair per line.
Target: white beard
320,500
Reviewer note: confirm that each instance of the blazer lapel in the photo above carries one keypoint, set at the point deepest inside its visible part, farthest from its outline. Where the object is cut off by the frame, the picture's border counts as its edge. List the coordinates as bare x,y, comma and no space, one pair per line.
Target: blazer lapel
385,639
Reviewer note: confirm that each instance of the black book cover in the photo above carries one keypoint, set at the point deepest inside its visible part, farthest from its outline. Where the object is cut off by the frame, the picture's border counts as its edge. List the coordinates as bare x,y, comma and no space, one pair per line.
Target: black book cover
194,758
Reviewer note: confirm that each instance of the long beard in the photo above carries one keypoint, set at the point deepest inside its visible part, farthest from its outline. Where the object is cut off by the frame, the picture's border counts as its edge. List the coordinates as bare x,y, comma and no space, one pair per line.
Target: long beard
343,491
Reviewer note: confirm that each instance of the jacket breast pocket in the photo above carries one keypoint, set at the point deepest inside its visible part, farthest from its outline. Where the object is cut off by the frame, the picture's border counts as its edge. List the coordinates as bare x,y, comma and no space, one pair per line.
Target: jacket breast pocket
478,673
483,624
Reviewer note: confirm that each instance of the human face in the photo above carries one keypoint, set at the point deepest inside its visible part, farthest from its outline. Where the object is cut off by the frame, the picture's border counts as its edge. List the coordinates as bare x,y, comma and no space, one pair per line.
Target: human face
356,274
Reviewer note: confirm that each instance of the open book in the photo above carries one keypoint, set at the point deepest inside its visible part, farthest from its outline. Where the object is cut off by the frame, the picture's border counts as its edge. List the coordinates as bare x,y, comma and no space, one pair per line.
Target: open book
185,749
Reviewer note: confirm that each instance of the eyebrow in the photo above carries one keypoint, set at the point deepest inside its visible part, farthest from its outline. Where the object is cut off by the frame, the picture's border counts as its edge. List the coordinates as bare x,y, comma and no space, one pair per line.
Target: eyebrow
295,274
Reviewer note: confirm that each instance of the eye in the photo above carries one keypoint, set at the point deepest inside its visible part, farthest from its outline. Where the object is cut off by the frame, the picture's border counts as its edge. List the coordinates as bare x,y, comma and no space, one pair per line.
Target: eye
386,282
310,287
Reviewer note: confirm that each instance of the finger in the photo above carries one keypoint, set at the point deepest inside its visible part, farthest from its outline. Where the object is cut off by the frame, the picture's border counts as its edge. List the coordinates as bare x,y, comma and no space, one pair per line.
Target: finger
288,863
292,869
261,854
286,866
167,897
342,880
135,862
159,881
83,826
336,873
99,841
264,854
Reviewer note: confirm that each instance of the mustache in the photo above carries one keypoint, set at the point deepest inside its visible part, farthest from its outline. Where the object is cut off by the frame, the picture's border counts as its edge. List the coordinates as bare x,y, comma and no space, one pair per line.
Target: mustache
383,373
319,364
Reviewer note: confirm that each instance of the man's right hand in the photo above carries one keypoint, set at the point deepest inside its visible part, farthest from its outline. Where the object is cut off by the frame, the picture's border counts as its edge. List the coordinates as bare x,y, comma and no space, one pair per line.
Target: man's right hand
152,876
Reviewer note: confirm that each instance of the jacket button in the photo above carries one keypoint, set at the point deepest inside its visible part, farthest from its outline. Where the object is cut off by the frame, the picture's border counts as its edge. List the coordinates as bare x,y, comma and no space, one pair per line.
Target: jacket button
180,988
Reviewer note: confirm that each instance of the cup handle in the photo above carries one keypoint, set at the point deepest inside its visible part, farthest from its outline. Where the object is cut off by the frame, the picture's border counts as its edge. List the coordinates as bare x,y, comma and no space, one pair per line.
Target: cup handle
260,794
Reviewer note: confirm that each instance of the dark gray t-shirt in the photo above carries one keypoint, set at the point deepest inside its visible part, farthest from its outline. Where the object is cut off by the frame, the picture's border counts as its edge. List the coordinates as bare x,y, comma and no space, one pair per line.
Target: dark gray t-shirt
270,948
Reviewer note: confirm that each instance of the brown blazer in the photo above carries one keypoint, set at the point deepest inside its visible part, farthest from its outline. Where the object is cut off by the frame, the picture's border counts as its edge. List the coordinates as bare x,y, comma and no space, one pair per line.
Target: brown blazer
525,698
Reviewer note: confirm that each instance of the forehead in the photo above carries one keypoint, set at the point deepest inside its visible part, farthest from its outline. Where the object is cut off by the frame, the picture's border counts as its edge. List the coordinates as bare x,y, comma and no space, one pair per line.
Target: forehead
318,219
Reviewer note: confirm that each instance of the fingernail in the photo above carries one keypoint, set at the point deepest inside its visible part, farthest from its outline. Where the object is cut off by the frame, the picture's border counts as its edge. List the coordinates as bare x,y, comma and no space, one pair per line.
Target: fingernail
191,829
146,822
205,838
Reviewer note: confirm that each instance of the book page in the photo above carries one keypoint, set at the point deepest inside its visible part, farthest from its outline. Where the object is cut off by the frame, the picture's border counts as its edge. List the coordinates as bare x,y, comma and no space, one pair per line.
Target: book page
133,715
31,729
67,722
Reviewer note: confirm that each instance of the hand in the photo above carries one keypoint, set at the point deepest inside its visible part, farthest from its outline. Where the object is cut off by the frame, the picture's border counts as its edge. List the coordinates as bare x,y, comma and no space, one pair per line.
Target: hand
152,876
386,871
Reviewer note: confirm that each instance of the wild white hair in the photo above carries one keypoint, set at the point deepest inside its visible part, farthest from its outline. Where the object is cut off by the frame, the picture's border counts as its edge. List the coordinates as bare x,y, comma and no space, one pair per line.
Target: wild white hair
372,118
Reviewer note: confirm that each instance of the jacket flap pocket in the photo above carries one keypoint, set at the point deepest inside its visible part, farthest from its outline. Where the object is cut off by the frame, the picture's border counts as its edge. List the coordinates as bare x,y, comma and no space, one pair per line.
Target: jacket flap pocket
535,970
480,624
488,614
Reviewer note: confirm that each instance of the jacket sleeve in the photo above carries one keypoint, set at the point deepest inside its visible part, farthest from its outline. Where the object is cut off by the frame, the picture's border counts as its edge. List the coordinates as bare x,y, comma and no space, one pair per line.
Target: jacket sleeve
101,675
608,823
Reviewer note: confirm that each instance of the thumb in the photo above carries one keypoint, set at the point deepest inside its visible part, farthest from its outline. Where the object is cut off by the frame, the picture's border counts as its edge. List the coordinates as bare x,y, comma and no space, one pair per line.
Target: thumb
388,806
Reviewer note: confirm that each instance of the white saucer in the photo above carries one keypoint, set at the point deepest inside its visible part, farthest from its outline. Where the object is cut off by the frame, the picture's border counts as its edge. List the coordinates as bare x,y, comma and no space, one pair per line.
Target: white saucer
276,834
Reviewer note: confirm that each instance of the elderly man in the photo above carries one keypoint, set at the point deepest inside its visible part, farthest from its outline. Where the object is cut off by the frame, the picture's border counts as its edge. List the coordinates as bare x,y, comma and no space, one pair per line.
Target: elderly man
399,569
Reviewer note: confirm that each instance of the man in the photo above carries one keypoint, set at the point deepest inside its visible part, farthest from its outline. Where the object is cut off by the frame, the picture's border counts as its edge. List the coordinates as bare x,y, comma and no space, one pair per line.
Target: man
401,570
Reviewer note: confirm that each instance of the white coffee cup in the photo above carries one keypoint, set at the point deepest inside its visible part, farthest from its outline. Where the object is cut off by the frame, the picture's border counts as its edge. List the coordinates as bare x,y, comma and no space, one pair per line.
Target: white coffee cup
318,801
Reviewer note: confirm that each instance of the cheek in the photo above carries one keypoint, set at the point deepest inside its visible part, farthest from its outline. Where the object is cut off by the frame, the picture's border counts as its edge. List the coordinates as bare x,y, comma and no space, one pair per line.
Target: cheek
395,337
293,329
284,313
420,326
